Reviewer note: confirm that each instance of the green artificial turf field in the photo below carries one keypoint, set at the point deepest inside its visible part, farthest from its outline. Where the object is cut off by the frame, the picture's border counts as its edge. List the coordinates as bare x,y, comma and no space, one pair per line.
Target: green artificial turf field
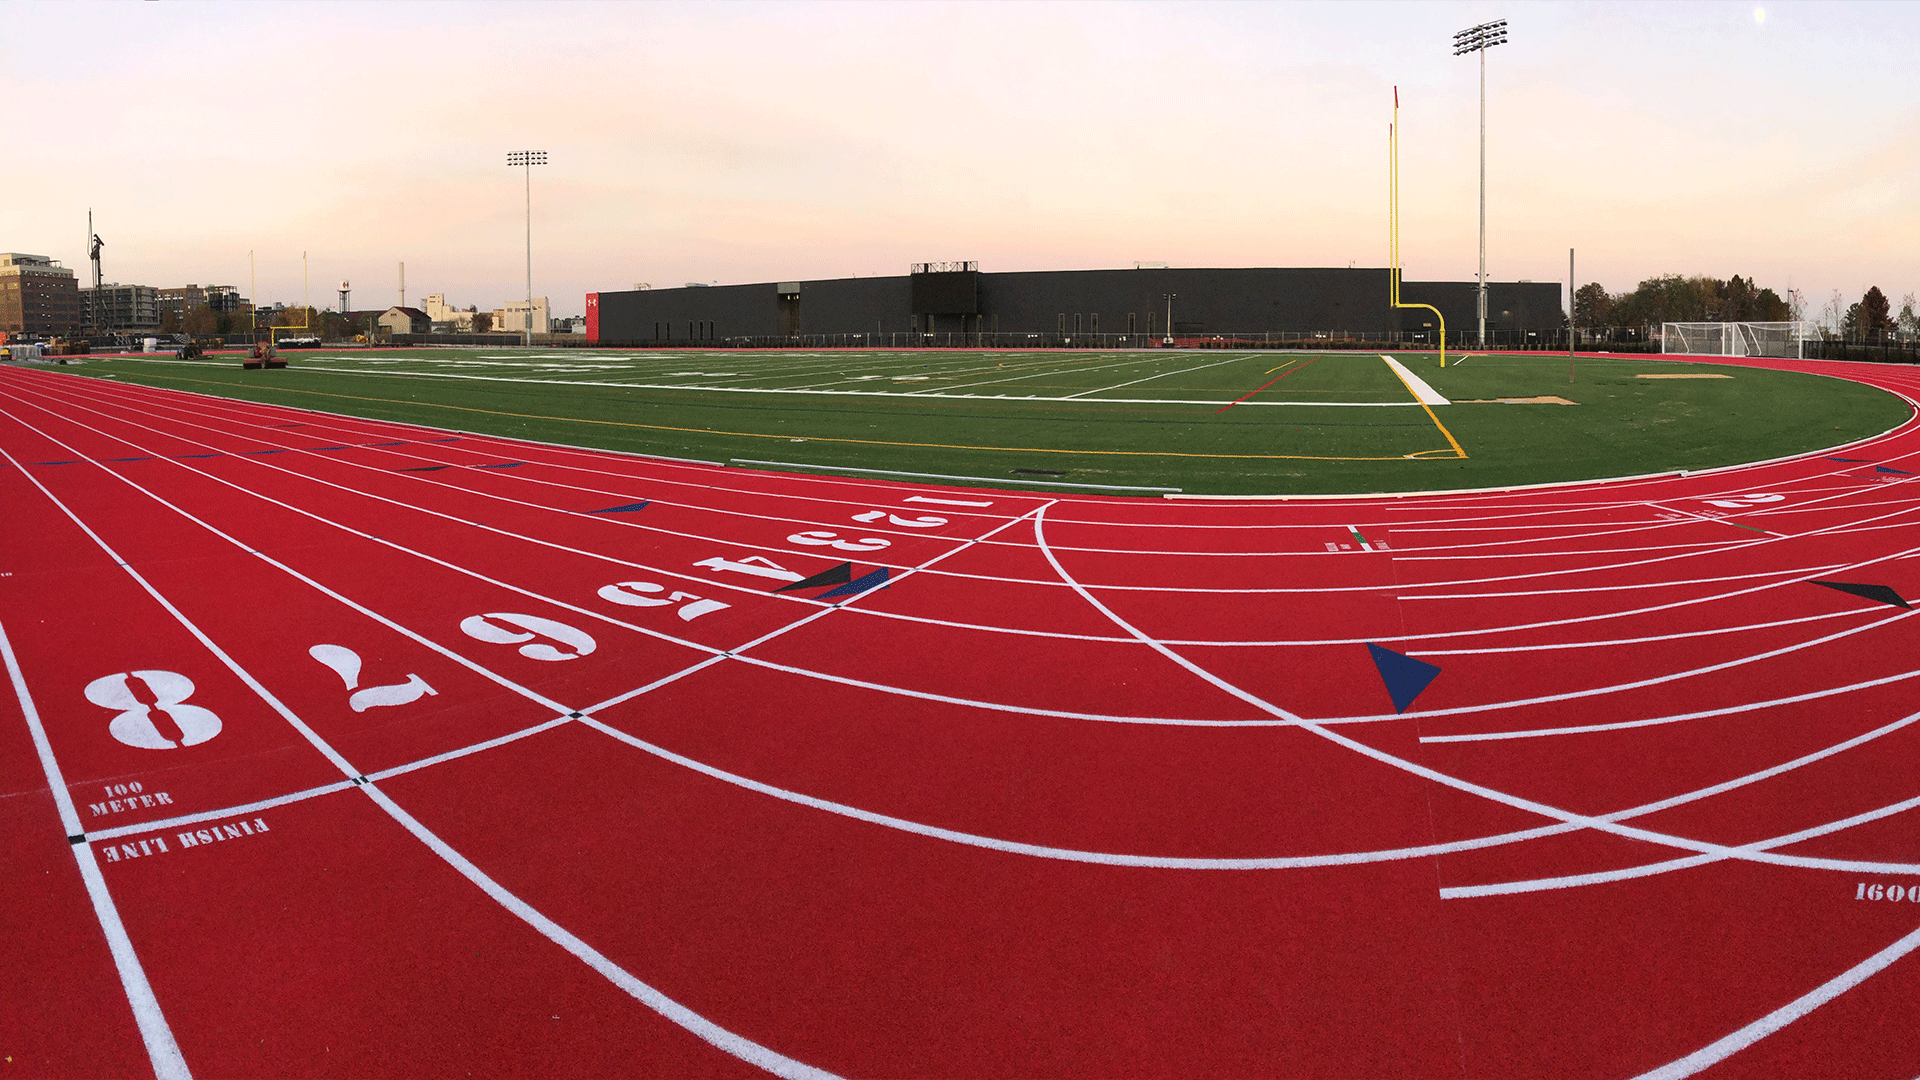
1202,422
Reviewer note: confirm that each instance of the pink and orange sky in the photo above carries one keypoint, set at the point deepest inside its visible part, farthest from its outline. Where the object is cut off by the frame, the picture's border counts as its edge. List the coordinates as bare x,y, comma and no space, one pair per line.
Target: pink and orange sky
739,142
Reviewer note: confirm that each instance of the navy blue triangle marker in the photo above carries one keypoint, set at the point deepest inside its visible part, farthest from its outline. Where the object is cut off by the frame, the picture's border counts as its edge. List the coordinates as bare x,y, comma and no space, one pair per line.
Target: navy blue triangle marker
426,468
1881,593
1405,677
505,465
629,508
1852,460
858,585
1883,468
839,575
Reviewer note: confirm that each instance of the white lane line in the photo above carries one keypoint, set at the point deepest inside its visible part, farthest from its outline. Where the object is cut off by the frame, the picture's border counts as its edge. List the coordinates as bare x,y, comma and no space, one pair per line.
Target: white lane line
163,1053
1417,386
256,806
707,481
1150,378
588,612
1796,573
736,1045
1671,718
268,436
1592,692
1681,635
1502,512
768,789
1014,708
1600,823
1726,1047
1646,870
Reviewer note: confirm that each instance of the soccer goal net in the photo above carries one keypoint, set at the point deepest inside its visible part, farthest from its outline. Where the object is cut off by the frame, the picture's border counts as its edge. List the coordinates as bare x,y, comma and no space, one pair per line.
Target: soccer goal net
1733,338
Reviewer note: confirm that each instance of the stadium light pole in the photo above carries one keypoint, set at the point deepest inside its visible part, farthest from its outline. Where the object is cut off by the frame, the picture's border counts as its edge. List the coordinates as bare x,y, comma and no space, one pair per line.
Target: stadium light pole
1479,39
527,159
1169,328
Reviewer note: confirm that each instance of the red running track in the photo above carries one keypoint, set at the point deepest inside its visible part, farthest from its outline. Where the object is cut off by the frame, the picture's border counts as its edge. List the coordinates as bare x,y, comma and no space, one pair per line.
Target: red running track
342,747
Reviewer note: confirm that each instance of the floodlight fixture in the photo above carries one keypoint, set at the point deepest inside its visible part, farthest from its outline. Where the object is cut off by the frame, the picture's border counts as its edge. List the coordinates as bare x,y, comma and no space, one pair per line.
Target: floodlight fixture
527,159
1478,39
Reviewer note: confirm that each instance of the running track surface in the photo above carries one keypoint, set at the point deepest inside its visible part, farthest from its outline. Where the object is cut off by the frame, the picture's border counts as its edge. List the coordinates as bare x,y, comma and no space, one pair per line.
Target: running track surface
342,747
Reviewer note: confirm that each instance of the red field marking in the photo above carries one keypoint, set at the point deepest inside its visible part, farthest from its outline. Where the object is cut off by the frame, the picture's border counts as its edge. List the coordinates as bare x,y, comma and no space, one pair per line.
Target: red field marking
781,817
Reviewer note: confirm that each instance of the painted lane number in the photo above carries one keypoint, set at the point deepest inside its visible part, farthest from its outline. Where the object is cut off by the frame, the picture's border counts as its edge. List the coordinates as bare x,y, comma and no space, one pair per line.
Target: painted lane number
508,628
832,540
346,664
165,722
644,594
923,522
1739,502
1895,893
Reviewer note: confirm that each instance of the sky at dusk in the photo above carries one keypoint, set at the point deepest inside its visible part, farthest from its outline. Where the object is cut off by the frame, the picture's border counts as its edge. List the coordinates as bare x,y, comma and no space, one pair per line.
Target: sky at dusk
746,142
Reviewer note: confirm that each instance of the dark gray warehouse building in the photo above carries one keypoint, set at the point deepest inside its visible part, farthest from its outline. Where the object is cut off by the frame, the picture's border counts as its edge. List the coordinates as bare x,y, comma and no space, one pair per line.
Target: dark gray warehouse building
1074,307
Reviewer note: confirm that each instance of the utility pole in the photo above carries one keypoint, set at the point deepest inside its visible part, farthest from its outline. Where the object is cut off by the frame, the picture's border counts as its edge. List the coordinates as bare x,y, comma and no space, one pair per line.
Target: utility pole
527,159
1479,39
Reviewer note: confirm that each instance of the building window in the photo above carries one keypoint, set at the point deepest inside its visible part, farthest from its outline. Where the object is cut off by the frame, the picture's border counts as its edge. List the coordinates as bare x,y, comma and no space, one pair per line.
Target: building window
1063,322
1076,322
1093,322
1130,324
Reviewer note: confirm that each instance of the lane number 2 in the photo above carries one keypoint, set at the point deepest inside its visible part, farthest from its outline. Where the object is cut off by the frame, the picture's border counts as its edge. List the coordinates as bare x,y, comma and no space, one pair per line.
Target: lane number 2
643,594
166,722
539,635
346,664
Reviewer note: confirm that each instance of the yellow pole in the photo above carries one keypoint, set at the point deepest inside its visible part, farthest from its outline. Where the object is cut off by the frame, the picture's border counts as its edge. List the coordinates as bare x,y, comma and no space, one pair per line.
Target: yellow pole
1393,225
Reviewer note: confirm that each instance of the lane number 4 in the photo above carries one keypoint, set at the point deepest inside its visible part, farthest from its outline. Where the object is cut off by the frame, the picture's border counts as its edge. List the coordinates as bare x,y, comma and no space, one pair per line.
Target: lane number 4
923,522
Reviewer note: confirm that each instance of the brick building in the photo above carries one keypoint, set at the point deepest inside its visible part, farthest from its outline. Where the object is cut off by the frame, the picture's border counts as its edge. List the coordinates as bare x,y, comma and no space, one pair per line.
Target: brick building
37,295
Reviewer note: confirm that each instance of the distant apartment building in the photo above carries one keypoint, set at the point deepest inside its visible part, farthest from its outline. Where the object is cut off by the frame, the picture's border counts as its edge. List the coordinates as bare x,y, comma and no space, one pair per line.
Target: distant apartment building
37,295
514,317
221,299
445,317
120,309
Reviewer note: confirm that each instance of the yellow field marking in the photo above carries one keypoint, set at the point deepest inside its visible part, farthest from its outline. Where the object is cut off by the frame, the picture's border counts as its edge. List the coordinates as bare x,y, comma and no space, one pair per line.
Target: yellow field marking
1451,441
1289,363
821,438
1687,376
